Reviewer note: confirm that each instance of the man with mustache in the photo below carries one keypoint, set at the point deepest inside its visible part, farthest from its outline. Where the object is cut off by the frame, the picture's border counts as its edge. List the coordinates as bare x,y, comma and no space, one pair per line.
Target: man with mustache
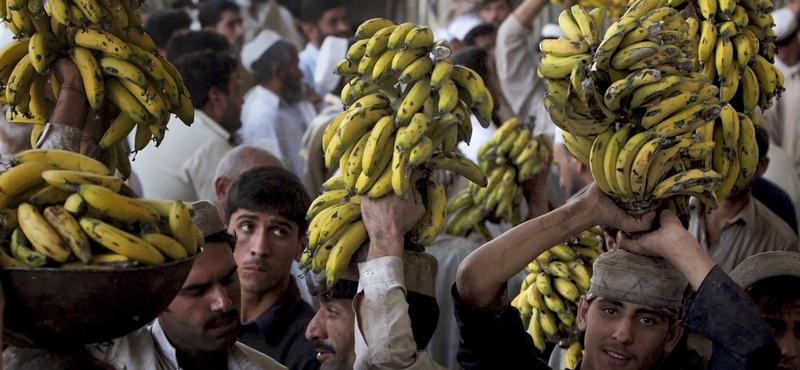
320,19
198,329
772,279
266,209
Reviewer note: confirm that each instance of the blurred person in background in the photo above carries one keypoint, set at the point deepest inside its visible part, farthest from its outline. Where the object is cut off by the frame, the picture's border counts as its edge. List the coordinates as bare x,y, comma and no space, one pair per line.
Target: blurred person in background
259,15
320,20
224,17
494,12
777,200
194,41
163,24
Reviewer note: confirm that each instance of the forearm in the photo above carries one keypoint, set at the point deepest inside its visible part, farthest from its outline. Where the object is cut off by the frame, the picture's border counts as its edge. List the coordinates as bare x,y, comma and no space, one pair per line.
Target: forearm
690,259
508,254
71,106
528,10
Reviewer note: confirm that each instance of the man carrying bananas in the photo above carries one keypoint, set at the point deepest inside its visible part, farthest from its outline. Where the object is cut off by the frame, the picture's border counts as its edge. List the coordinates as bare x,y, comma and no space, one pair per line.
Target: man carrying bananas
199,327
631,316
772,280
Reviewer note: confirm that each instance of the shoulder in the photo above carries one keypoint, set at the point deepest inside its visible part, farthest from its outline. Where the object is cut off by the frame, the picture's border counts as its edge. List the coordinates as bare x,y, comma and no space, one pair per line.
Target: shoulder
257,359
771,225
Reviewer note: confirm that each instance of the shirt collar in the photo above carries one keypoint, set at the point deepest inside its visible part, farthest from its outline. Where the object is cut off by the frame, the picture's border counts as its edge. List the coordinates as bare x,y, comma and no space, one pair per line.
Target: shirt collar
274,321
747,215
311,50
236,358
203,120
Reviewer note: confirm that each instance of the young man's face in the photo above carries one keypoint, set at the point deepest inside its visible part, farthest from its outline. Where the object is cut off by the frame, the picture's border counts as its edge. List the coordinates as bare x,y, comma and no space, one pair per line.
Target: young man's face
624,336
495,12
204,316
230,26
334,23
332,332
785,326
267,244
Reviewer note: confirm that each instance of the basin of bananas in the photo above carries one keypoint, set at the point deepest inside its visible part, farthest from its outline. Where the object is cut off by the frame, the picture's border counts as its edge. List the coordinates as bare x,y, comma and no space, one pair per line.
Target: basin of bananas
549,295
512,156
404,114
128,85
664,104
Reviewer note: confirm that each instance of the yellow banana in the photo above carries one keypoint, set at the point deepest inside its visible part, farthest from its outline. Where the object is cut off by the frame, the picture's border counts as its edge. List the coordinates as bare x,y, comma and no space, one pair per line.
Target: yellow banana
68,228
182,228
22,251
116,206
121,242
40,234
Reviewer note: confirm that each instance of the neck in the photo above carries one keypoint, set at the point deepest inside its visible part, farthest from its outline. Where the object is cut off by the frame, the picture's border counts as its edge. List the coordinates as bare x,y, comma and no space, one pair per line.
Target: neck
254,304
273,85
728,209
202,360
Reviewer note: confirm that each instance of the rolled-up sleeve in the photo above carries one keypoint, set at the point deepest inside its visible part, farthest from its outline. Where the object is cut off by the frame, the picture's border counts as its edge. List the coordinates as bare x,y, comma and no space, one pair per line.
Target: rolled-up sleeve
516,66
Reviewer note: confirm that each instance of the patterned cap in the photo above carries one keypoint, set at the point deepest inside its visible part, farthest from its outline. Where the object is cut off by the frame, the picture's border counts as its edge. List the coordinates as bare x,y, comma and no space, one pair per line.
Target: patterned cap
766,265
206,218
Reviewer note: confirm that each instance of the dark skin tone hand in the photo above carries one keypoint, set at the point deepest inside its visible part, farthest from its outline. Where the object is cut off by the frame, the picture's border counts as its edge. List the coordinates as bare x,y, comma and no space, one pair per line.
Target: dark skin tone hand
71,106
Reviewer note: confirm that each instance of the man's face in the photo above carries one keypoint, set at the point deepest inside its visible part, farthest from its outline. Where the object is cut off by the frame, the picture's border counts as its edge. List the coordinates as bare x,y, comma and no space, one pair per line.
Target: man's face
568,170
230,26
334,23
267,244
331,330
204,316
231,118
786,328
624,336
495,13
291,78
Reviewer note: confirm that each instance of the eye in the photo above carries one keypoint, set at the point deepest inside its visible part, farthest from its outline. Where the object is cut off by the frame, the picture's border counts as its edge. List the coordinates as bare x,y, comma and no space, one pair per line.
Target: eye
332,313
278,231
246,227
647,320
609,311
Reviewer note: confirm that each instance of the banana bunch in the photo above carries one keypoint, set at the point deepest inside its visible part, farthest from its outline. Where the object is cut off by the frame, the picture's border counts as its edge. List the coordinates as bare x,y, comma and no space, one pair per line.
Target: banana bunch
128,85
612,9
510,157
556,280
404,114
62,209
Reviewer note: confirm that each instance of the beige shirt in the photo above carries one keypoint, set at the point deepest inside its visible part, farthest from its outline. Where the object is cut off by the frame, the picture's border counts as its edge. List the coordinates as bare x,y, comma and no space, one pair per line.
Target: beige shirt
149,349
782,121
389,342
516,69
183,166
754,230
311,152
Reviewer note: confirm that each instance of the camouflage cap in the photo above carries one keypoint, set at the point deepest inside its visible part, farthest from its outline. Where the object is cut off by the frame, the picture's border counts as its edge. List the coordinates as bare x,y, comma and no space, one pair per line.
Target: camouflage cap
206,218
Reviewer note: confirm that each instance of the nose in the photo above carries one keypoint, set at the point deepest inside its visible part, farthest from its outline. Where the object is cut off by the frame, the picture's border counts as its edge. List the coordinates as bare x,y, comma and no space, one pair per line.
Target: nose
622,332
221,301
788,345
314,329
260,247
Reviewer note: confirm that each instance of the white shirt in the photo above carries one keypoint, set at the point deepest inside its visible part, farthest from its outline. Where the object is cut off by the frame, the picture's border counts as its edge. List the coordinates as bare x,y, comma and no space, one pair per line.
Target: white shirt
183,166
308,64
149,349
266,116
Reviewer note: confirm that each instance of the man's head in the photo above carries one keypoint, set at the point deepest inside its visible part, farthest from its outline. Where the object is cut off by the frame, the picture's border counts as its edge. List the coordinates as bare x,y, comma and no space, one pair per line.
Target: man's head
785,20
163,24
332,329
212,79
772,280
266,209
323,18
234,163
494,12
223,17
573,175
274,65
630,313
194,41
483,36
204,316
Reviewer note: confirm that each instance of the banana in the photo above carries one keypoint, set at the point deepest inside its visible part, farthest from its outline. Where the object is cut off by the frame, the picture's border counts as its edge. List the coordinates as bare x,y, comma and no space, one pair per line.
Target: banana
22,251
686,120
708,8
596,157
633,53
580,147
21,178
664,161
419,37
416,70
342,215
729,83
536,331
640,167
750,90
743,50
399,35
747,153
560,67
148,97
112,66
379,138
413,101
563,47
127,103
106,42
647,92
665,54
383,185
613,38
598,16
343,250
166,245
766,78
355,125
116,206
19,83
408,136
625,161
544,284
121,242
566,289
666,107
420,152
684,180
405,57
401,174
569,26
586,24
367,29
442,69
448,97
471,82
459,164
581,276
182,228
622,88
708,40
382,66
379,42
435,212
356,51
41,50
68,228
573,355
41,235
554,303
723,53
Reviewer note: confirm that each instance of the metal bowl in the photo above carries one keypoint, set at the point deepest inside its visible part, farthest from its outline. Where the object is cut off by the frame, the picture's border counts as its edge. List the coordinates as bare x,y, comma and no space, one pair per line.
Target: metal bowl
61,308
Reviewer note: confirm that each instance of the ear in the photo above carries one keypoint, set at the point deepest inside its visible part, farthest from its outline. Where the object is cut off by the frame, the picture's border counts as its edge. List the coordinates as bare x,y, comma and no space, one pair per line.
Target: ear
583,311
221,188
309,30
216,100
303,245
762,167
674,336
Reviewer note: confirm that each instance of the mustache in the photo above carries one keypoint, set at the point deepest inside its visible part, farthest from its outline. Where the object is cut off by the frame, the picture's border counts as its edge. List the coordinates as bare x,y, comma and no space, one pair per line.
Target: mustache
257,262
223,319
321,346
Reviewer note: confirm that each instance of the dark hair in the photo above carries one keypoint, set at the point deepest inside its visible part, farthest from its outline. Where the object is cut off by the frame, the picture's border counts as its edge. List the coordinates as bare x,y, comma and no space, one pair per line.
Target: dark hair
311,11
222,237
211,13
484,3
762,139
194,41
773,293
270,189
163,23
204,70
474,58
277,55
478,31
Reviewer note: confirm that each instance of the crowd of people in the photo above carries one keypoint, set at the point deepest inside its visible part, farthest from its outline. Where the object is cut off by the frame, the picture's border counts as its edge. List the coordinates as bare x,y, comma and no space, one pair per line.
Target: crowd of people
724,294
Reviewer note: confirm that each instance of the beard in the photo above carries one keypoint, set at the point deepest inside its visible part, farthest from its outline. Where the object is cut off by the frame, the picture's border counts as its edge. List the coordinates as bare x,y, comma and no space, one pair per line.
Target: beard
292,89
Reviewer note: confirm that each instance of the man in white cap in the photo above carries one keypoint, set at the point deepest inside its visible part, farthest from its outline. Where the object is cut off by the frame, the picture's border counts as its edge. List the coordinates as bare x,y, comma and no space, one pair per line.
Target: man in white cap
199,327
772,280
320,20
274,108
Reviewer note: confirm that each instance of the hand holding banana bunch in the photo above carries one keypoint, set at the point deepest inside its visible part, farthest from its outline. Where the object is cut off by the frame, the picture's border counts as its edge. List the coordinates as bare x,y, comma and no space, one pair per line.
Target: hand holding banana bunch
550,293
510,157
389,138
62,209
664,104
126,82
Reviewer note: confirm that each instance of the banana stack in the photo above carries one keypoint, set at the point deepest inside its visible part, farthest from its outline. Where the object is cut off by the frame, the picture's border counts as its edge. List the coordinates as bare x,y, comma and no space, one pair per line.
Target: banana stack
549,295
62,209
126,82
510,157
612,9
404,114
641,107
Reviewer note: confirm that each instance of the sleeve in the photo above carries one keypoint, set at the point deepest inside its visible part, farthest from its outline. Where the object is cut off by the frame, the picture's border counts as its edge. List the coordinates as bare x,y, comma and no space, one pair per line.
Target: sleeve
516,66
388,342
722,312
493,337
